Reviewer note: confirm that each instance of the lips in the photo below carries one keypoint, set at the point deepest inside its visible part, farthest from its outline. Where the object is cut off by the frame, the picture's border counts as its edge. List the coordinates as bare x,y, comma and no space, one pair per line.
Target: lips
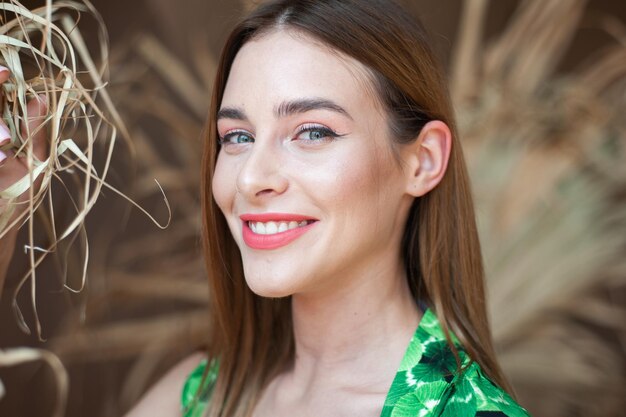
268,231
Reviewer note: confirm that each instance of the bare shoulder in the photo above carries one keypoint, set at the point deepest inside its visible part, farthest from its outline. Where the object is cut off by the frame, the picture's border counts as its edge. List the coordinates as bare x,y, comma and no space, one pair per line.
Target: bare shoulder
164,397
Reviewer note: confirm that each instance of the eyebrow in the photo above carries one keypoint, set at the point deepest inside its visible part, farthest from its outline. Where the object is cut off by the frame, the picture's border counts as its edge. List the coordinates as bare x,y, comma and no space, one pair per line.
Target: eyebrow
231,113
287,108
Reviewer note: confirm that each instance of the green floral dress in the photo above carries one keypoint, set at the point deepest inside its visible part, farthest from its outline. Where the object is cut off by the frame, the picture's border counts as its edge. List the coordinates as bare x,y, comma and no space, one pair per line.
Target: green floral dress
426,385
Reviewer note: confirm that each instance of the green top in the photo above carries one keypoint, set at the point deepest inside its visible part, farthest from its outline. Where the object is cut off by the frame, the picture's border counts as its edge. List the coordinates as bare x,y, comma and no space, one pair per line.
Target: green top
427,383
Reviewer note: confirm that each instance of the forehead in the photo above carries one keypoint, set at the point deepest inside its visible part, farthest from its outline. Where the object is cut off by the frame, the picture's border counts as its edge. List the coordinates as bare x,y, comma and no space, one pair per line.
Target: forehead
285,64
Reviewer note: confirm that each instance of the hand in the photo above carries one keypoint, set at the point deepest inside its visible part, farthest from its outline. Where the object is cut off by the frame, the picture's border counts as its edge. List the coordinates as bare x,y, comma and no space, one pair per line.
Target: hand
14,168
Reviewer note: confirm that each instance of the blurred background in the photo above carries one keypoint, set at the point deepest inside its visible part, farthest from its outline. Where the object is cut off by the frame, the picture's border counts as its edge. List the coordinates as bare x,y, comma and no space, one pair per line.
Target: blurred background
540,93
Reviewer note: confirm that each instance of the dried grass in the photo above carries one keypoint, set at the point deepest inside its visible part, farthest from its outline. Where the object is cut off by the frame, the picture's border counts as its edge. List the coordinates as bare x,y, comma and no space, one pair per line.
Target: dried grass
47,56
156,93
547,152
18,356
47,42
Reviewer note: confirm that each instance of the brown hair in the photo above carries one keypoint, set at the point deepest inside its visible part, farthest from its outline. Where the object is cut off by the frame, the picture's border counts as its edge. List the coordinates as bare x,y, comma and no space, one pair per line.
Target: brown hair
252,336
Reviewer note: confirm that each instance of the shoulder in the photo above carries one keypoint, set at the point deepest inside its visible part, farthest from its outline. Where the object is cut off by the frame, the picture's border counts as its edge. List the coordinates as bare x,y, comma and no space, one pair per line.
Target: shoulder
429,382
474,394
467,394
198,388
164,397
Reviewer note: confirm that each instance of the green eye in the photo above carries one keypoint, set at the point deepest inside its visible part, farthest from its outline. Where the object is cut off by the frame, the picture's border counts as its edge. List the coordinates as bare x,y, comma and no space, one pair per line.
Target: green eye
236,138
316,134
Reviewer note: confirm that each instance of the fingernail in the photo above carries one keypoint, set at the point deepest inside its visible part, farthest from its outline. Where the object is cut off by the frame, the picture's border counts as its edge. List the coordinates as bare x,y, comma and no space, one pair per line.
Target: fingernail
4,141
4,132
3,68
3,156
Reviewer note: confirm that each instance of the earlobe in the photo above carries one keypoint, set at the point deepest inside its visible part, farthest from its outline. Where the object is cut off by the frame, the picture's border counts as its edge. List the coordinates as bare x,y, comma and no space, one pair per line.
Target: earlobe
428,158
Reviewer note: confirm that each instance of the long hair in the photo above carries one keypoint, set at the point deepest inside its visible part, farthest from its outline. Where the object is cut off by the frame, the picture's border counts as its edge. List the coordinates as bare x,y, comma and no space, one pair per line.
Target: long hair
252,336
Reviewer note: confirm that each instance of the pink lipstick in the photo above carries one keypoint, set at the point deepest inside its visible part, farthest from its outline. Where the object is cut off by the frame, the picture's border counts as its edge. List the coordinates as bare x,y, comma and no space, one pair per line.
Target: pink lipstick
256,240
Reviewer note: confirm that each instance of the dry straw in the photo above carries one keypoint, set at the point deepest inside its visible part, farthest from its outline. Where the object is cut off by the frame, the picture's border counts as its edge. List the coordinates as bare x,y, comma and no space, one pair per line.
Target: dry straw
19,356
164,103
47,57
81,119
35,40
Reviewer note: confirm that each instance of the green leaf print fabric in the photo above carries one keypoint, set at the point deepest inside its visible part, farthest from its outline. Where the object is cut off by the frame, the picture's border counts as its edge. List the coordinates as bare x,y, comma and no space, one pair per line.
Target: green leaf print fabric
194,400
426,384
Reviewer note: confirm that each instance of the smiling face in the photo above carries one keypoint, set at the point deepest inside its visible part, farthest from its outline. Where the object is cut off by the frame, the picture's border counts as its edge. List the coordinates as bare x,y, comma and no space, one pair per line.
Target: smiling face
305,176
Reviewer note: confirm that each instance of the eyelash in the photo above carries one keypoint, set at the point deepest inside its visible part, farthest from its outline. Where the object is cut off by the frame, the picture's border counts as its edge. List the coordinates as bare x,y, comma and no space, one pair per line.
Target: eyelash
327,134
225,140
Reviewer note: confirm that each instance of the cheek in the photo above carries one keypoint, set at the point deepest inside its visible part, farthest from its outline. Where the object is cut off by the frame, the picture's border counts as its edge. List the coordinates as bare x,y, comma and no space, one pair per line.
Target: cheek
346,182
364,192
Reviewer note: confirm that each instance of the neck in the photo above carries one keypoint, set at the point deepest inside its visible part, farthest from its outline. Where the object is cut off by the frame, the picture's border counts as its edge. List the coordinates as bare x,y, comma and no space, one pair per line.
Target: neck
361,328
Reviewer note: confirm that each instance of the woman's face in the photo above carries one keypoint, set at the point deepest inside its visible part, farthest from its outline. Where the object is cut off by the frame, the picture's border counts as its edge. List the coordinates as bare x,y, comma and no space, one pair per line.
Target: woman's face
305,176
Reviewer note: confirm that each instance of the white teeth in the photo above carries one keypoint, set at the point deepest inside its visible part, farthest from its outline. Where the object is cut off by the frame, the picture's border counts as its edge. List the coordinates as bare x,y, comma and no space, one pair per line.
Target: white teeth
271,228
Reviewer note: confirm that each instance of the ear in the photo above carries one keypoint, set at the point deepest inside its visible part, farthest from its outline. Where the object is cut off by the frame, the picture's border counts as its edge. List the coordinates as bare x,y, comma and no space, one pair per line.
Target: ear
426,158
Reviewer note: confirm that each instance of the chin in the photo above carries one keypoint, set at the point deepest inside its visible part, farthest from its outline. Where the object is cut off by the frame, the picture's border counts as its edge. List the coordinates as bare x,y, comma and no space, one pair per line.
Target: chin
269,288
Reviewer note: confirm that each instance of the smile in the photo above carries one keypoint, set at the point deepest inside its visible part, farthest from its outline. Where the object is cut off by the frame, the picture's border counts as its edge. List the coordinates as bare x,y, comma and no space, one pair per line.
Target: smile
271,231
271,228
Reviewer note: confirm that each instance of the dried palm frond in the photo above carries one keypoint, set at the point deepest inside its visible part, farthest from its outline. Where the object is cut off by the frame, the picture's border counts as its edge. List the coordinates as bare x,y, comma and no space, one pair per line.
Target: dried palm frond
18,356
164,103
547,153
46,55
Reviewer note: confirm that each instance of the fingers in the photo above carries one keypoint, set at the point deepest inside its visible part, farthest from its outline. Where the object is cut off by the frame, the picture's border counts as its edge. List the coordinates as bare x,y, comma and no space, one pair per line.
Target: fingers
5,137
4,74
36,110
5,134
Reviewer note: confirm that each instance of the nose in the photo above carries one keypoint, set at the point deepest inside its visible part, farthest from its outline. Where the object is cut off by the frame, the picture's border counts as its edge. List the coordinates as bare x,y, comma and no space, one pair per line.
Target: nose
261,174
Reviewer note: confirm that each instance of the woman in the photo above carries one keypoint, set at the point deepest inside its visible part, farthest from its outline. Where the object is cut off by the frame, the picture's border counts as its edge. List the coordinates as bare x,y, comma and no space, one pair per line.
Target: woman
338,219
